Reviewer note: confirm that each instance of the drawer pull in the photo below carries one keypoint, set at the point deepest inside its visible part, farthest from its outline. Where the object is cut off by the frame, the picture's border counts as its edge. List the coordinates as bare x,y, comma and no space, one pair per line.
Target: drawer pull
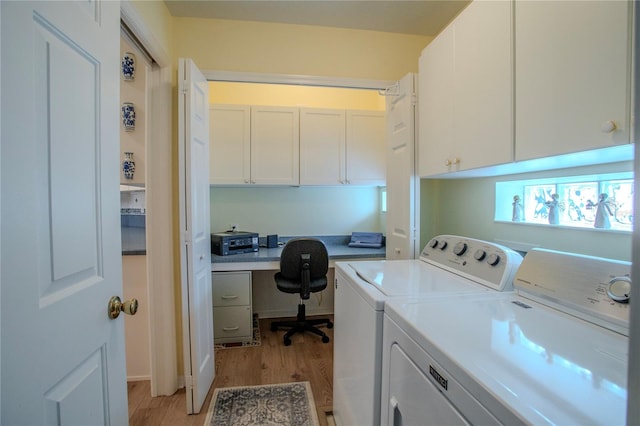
231,328
228,297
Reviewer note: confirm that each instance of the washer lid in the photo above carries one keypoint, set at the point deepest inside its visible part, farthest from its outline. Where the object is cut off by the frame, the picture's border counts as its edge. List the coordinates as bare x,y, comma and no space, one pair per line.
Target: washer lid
544,366
396,278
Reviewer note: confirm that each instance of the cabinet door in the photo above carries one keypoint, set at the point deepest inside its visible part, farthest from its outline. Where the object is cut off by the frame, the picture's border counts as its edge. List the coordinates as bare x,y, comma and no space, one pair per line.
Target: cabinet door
465,92
435,111
275,145
322,146
366,148
572,77
230,139
483,86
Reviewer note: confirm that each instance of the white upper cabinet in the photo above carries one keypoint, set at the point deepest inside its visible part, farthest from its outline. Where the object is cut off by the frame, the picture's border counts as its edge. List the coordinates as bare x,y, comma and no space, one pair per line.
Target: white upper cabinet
275,146
366,148
466,92
230,144
253,145
268,145
339,147
322,146
573,80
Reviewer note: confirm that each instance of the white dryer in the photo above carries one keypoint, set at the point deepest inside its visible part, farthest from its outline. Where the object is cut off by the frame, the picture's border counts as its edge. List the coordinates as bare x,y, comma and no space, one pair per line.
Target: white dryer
552,352
447,265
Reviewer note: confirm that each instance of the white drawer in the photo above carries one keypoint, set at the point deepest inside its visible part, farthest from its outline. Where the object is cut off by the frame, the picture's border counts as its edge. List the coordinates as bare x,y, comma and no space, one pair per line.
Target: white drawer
233,323
231,288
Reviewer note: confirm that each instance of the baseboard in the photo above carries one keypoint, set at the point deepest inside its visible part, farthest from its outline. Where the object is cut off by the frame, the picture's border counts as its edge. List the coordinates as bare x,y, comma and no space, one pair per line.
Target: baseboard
138,378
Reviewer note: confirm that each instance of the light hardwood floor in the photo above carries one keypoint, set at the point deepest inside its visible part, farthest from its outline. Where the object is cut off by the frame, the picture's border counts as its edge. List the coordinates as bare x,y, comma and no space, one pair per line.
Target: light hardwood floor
307,359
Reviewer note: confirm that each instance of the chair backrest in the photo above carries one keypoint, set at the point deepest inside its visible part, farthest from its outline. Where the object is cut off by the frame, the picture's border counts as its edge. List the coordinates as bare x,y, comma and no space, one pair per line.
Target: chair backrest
291,263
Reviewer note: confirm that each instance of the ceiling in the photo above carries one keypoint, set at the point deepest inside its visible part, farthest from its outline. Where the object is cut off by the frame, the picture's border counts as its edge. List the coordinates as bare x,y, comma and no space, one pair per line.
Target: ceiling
418,17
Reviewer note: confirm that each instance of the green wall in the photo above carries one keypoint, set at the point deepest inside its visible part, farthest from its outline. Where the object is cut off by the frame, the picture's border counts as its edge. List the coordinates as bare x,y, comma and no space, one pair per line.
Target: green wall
297,211
466,207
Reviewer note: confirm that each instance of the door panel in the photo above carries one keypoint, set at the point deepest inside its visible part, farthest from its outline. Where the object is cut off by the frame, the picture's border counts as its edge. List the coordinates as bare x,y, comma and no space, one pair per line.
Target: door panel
196,238
401,185
61,252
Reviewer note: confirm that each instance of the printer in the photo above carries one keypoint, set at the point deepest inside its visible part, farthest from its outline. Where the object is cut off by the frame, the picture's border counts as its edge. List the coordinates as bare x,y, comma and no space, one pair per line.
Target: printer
233,242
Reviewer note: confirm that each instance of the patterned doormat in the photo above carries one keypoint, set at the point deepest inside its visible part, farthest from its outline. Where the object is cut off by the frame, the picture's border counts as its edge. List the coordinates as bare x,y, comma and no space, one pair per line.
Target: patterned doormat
284,404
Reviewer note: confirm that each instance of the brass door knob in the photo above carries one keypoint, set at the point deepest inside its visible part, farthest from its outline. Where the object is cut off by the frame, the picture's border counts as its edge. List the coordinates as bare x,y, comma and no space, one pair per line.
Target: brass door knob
129,307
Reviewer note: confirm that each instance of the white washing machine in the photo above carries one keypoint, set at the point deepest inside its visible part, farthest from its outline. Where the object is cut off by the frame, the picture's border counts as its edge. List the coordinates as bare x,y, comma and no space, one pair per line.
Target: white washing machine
447,265
552,352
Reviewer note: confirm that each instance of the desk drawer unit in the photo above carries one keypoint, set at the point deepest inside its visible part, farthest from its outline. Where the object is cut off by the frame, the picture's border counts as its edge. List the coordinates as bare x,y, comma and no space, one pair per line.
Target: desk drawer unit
232,311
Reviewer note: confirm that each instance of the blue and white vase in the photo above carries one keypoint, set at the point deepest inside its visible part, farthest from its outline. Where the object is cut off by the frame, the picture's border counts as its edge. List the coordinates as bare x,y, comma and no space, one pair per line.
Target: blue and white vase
128,165
128,66
128,116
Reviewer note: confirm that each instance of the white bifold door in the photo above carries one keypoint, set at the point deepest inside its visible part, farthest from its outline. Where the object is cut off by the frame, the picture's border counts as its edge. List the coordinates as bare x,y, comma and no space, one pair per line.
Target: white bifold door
197,307
402,184
63,358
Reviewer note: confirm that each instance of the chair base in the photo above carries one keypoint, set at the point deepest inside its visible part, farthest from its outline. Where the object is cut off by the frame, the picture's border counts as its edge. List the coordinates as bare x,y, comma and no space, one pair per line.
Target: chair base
302,324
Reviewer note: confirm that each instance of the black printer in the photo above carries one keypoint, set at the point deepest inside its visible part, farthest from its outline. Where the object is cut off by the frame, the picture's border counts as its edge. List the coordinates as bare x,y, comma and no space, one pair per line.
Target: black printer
230,242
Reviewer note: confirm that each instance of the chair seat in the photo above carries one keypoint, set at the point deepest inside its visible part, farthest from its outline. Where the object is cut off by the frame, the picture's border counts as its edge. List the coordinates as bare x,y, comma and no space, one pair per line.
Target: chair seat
289,286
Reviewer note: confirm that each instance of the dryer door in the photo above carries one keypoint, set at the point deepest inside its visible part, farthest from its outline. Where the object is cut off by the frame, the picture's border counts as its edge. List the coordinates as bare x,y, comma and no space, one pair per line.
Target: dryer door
413,399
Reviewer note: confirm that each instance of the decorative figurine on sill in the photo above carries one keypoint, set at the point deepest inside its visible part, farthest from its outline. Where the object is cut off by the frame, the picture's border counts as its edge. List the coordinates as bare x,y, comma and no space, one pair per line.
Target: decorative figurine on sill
554,209
517,209
603,212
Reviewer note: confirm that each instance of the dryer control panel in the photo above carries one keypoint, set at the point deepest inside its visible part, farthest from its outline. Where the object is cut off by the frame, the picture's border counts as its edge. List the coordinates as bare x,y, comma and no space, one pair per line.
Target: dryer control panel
593,288
487,263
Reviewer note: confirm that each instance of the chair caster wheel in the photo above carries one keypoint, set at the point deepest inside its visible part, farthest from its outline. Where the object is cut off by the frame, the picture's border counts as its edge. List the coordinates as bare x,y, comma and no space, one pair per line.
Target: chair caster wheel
325,339
287,342
329,325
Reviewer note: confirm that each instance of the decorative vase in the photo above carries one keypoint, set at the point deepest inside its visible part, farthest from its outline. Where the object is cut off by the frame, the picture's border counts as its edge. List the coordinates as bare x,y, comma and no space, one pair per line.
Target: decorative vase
128,165
128,116
128,66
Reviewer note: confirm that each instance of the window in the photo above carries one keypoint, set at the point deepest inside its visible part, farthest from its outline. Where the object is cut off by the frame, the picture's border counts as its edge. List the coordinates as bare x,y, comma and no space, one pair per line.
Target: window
594,201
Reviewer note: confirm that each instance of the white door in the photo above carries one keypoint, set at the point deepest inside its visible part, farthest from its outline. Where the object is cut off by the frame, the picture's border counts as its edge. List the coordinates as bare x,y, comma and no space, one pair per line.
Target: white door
401,177
63,359
197,309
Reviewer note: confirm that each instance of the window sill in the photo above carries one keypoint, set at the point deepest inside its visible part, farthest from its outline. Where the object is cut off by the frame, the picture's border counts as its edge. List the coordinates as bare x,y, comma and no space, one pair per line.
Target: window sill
574,228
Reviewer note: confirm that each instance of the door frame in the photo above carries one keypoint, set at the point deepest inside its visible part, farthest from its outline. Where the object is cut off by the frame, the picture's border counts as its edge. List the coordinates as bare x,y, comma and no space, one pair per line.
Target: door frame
160,209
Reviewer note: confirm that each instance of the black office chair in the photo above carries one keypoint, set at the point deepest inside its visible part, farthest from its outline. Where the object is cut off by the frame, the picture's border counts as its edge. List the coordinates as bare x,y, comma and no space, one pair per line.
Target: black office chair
303,269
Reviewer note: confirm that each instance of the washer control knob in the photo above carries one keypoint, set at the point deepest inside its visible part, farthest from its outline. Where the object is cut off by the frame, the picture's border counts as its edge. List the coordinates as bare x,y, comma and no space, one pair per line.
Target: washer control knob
460,248
619,289
479,254
433,243
443,245
493,259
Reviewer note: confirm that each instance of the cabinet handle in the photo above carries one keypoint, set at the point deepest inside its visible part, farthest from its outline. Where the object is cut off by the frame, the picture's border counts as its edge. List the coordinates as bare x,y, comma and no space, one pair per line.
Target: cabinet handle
229,297
608,126
231,328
